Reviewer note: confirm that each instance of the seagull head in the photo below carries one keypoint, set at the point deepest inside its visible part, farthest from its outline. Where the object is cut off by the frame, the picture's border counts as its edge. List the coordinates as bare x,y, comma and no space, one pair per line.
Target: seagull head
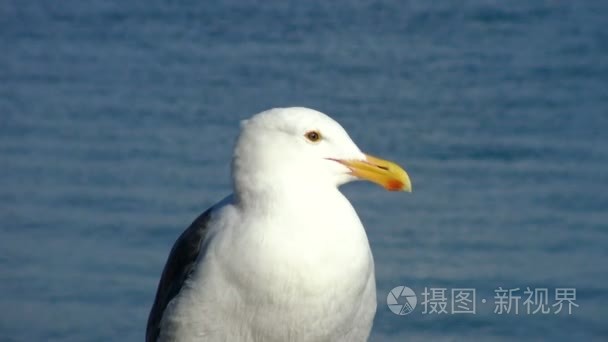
287,148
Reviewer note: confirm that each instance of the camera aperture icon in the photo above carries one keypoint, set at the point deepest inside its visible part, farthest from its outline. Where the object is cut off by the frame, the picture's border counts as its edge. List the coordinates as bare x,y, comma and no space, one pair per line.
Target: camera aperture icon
401,300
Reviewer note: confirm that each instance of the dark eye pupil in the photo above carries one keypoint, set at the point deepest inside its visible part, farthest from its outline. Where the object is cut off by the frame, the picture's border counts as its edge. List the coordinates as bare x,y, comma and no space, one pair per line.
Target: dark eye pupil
314,136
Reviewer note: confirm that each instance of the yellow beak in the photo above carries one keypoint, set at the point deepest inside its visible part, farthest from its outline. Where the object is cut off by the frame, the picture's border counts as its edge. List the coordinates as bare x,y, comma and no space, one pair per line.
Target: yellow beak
382,172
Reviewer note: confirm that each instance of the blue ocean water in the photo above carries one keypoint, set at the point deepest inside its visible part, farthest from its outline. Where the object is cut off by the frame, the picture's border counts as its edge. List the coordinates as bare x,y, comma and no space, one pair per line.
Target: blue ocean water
117,121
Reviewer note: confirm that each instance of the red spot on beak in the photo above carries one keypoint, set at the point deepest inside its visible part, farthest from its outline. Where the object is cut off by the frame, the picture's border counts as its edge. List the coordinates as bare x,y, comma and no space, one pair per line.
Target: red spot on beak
394,185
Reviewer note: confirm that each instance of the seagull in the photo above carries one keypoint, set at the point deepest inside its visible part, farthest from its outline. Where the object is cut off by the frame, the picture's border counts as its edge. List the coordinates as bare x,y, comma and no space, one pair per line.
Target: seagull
285,256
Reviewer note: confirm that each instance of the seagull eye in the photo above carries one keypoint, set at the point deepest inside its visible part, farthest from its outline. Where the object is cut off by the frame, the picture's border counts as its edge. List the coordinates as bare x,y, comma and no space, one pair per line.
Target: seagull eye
313,136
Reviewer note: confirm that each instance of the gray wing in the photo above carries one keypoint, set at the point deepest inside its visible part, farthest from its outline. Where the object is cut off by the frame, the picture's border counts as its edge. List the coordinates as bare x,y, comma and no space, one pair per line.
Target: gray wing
178,268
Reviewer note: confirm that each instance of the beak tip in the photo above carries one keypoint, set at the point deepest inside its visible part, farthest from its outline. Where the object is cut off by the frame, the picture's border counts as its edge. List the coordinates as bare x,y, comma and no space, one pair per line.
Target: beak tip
406,189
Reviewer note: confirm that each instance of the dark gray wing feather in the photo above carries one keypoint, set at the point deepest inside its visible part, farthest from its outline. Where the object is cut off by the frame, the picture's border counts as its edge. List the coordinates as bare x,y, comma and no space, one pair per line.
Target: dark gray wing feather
178,268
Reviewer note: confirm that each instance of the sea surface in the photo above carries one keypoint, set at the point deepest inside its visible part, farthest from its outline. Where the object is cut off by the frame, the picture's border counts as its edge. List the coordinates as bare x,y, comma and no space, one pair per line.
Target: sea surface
117,121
